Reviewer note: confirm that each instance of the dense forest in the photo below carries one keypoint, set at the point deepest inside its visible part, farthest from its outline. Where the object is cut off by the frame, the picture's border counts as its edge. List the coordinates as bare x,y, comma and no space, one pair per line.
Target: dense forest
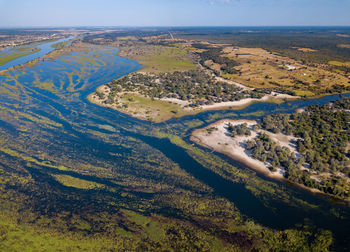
194,86
323,143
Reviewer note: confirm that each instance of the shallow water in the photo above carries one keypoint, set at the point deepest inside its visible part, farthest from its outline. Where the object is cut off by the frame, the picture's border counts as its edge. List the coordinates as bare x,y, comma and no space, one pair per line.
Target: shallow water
44,49
34,99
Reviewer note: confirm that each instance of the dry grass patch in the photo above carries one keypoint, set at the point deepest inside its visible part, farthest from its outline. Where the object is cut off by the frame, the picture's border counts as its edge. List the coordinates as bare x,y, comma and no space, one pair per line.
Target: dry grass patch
259,68
344,46
339,63
304,49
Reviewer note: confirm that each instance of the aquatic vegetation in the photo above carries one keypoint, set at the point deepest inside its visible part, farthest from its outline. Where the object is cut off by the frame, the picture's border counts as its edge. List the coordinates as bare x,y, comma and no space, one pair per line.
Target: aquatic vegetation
8,58
76,182
78,176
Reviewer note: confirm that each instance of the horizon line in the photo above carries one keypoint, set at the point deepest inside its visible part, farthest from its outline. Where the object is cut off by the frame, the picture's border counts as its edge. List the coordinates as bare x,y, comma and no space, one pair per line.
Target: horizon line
178,26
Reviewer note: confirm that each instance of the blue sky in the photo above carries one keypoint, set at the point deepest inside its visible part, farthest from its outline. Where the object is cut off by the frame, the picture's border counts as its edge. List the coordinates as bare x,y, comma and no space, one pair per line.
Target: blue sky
14,13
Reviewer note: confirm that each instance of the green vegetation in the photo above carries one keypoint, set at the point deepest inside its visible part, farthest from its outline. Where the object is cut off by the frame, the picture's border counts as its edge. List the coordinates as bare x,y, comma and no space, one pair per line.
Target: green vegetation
8,58
59,45
324,140
239,130
76,182
322,44
215,54
149,109
74,177
159,97
167,59
266,150
194,86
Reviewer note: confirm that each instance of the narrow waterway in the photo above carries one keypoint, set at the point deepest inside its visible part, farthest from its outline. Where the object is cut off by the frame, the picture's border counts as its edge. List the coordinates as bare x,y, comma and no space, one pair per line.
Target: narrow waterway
45,48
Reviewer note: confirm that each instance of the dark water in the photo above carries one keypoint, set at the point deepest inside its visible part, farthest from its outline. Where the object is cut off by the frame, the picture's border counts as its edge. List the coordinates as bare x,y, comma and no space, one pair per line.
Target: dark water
63,100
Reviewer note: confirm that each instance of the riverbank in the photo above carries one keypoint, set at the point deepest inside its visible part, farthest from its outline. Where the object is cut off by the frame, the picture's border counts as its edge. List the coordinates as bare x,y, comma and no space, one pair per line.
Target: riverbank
140,107
217,137
41,52
161,110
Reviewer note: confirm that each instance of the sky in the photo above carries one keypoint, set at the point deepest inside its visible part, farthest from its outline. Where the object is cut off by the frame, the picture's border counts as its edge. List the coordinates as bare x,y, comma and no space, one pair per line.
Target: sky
53,13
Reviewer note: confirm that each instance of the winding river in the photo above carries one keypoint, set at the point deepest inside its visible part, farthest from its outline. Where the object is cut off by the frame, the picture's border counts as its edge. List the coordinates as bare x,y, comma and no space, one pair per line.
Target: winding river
57,90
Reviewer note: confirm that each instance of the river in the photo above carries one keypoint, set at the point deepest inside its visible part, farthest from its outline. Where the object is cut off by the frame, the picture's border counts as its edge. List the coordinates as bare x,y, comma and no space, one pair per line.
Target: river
57,90
45,48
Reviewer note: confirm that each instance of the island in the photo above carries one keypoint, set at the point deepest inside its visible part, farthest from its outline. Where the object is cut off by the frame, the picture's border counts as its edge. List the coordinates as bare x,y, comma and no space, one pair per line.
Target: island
159,97
310,147
184,76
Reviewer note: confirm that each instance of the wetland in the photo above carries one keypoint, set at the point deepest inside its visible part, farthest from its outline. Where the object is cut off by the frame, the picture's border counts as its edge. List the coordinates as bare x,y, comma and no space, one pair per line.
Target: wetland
73,171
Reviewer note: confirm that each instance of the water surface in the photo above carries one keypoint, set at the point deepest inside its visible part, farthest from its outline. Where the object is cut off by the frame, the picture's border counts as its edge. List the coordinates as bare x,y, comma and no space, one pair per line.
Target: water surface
48,101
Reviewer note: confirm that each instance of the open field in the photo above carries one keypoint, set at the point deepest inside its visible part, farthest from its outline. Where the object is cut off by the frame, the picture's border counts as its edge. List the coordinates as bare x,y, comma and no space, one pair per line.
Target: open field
259,68
76,182
339,63
282,41
304,49
155,52
159,58
143,108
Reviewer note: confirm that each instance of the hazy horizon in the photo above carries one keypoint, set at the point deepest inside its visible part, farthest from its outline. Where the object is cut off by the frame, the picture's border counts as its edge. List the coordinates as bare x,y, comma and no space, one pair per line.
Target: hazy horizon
181,13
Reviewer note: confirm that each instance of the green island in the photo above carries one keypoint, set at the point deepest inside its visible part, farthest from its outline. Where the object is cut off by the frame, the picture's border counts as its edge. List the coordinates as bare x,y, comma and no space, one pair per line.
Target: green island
310,147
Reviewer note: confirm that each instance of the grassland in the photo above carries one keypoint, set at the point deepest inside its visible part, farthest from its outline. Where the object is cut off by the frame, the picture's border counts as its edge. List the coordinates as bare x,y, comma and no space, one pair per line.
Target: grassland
165,59
59,45
76,182
144,108
261,69
157,58
339,63
304,49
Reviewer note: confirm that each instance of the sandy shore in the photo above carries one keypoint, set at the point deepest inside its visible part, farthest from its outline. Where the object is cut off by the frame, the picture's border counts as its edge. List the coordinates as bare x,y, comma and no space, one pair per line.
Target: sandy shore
141,114
220,141
248,101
